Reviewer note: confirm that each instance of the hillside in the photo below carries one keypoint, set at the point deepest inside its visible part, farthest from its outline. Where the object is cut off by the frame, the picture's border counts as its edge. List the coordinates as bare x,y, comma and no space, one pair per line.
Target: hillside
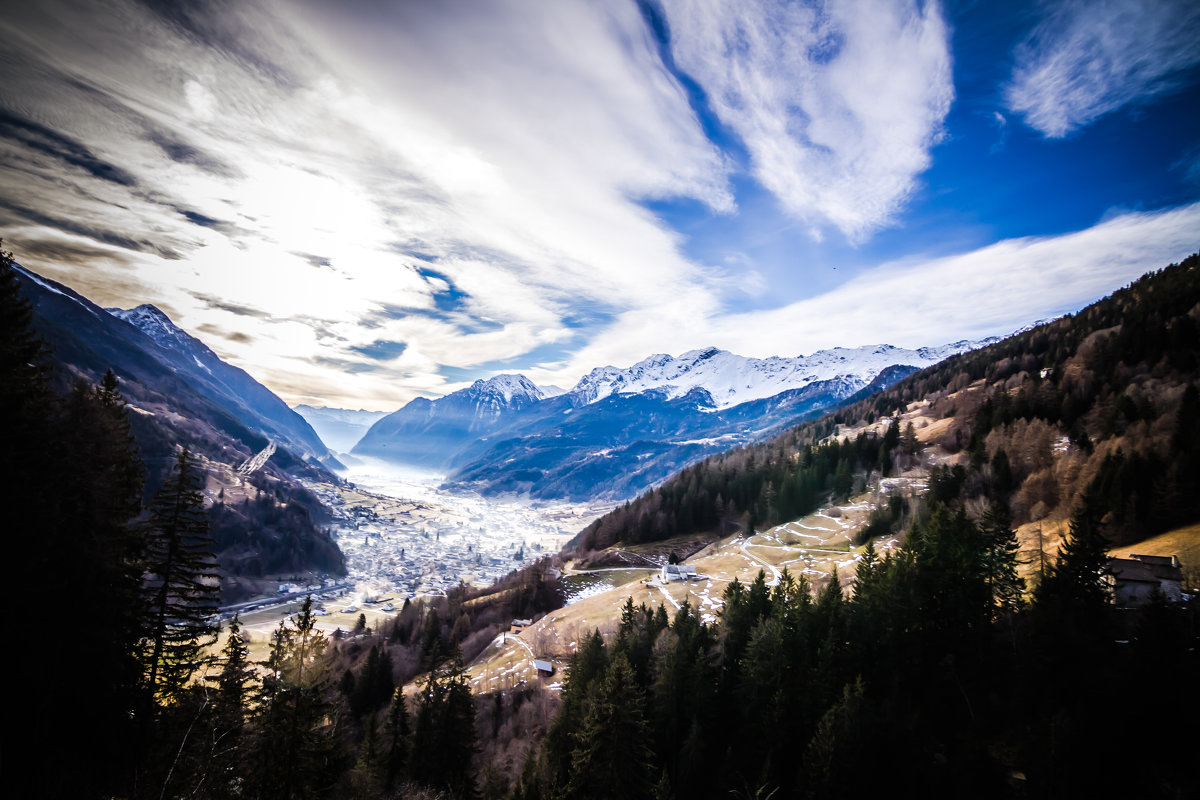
1105,398
180,394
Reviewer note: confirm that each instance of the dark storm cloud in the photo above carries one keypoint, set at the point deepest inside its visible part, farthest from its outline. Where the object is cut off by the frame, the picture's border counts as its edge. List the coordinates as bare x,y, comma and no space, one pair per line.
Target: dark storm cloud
233,308
181,152
217,24
42,139
233,336
96,234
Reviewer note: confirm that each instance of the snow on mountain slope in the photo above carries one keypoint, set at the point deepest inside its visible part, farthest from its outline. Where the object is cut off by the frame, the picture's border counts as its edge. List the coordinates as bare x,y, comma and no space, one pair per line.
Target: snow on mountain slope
166,334
346,416
732,379
231,386
508,388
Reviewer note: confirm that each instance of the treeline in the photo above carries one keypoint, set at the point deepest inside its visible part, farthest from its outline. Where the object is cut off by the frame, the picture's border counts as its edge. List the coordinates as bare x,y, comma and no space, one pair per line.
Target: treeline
784,479
1110,392
467,619
934,679
326,716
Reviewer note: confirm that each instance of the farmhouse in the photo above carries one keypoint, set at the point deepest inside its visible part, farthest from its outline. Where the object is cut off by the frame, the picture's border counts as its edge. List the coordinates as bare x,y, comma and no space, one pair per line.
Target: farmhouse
1134,580
677,572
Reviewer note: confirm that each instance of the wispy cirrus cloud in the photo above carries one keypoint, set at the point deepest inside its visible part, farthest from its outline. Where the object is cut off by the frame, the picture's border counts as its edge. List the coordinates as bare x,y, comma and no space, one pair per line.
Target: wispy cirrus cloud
838,104
511,151
1087,59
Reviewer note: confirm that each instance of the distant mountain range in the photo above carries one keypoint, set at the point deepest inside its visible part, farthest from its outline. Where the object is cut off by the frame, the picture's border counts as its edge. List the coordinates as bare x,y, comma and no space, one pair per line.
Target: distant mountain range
339,428
619,431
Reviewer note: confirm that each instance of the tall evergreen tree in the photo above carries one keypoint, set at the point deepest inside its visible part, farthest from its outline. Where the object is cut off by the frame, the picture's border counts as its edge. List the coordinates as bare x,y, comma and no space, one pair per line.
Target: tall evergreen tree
1076,581
181,587
612,754
235,685
1000,560
397,732
70,484
294,750
444,734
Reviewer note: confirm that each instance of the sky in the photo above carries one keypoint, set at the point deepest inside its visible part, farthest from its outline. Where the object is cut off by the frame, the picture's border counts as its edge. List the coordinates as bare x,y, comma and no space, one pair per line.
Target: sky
363,202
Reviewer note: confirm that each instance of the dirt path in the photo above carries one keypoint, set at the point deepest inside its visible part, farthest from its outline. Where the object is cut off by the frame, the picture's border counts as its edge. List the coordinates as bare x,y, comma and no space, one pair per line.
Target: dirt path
767,564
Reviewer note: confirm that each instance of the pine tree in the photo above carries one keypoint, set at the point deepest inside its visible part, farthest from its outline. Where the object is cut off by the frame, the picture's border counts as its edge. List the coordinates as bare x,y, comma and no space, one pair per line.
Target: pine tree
70,484
444,735
1000,560
587,667
234,689
612,756
293,749
1076,580
908,441
182,589
397,731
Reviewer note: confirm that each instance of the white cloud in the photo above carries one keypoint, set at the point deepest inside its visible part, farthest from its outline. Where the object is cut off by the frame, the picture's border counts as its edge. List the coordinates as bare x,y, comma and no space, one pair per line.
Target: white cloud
838,104
990,291
512,150
467,180
913,303
1086,59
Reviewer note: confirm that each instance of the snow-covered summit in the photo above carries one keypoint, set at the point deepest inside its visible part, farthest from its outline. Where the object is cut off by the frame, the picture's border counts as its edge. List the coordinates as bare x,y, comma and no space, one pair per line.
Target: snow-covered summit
508,388
151,321
732,379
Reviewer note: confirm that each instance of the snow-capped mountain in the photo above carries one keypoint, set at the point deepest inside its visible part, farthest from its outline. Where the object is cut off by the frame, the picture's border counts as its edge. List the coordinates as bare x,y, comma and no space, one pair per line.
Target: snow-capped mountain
166,334
731,379
619,431
231,386
430,432
502,392
179,392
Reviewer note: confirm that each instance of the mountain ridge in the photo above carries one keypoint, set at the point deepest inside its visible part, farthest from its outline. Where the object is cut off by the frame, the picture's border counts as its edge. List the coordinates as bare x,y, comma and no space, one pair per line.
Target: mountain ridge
618,431
215,410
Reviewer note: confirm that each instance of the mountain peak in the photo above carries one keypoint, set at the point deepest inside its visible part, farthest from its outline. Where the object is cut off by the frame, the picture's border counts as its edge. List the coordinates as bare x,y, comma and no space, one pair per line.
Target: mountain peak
508,386
153,322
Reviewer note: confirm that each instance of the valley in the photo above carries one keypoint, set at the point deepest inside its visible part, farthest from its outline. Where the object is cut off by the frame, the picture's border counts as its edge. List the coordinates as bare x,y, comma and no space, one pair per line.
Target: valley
403,537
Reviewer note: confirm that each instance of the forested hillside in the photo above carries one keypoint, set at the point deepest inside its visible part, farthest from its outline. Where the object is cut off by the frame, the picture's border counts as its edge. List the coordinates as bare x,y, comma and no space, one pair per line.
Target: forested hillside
1106,397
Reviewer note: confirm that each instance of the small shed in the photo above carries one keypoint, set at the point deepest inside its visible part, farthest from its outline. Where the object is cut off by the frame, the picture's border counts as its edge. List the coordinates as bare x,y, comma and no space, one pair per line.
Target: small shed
519,625
543,666
1134,580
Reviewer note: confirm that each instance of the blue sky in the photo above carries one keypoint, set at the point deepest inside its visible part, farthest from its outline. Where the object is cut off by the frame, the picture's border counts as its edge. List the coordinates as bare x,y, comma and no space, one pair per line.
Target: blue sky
363,202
